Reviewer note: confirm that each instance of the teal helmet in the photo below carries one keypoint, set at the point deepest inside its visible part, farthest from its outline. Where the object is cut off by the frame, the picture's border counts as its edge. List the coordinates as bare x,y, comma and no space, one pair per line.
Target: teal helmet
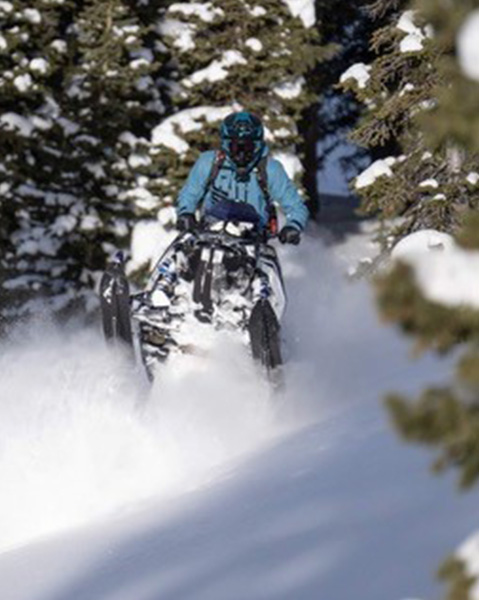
242,138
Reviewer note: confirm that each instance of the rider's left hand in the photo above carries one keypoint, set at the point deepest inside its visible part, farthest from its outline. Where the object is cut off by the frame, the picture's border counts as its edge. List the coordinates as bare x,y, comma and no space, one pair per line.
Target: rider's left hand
186,222
290,235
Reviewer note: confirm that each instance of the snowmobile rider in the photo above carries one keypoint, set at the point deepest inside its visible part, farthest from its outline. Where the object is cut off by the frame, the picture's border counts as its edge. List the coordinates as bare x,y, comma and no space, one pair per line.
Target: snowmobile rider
242,172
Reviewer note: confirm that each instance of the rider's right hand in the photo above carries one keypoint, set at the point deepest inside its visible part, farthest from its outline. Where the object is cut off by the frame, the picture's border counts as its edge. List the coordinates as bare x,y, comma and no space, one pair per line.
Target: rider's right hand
290,235
186,222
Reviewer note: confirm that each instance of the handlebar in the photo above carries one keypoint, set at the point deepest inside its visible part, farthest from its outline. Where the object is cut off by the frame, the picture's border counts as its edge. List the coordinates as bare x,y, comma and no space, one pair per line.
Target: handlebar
250,236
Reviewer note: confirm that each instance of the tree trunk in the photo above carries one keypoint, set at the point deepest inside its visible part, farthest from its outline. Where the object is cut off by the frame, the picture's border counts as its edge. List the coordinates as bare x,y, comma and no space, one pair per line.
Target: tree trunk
308,150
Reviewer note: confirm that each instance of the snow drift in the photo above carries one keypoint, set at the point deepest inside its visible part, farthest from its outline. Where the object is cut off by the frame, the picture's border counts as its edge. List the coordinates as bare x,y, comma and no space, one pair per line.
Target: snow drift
81,433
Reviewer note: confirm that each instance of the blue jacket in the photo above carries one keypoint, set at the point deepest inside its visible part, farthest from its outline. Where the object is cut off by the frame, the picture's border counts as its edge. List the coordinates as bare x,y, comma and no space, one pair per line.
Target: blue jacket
281,188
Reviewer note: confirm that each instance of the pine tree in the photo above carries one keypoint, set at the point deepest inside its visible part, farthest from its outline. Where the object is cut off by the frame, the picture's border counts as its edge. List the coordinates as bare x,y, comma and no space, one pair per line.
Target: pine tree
417,182
443,417
460,583
30,53
446,417
80,89
348,29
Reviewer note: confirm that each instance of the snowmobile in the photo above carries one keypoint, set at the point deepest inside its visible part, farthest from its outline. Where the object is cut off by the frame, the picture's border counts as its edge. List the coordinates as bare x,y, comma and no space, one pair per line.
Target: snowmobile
223,275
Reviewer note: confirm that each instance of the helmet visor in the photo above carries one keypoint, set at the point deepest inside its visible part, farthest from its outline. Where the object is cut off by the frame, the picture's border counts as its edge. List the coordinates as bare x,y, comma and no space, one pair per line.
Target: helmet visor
242,151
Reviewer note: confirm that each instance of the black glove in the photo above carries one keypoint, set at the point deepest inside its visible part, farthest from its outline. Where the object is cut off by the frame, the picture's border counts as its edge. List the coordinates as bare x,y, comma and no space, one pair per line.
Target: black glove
290,235
186,222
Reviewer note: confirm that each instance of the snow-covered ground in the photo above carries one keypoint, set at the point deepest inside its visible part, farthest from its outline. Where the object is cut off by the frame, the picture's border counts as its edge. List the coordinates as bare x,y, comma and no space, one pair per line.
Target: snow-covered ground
207,487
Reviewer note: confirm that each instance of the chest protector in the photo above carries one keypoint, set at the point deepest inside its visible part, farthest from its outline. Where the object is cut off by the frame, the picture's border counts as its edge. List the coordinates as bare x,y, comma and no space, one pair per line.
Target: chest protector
262,177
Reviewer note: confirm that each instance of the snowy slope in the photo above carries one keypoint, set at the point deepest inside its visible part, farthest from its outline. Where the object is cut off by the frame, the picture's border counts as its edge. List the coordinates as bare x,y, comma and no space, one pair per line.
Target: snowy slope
332,513
213,489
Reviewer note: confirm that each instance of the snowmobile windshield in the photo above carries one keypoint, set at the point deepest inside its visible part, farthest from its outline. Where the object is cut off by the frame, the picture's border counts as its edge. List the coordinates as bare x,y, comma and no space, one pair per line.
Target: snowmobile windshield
229,210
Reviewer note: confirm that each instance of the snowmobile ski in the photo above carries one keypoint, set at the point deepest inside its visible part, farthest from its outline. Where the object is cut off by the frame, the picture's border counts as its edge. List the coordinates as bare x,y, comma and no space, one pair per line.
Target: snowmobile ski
115,303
